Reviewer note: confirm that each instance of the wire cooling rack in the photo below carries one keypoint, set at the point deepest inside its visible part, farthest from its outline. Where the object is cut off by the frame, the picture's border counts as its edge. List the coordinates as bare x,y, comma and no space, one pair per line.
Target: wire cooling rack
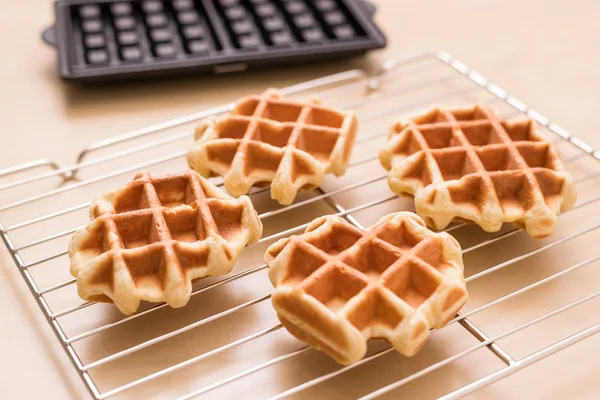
227,340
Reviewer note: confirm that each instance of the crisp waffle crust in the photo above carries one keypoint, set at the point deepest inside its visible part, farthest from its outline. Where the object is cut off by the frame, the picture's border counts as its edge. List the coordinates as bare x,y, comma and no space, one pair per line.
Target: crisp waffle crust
150,239
469,164
336,285
267,139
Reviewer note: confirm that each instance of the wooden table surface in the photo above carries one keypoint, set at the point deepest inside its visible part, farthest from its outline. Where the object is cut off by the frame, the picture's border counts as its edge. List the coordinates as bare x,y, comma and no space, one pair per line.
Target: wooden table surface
543,51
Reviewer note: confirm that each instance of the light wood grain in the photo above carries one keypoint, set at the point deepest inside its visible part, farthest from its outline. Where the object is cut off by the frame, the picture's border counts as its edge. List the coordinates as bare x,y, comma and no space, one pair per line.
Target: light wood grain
542,51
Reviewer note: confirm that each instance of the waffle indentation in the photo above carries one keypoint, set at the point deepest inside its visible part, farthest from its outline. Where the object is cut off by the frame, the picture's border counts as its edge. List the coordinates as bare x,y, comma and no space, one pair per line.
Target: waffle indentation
408,143
190,258
438,137
273,135
221,154
454,164
413,282
536,155
305,262
373,258
400,236
481,134
317,143
521,132
233,128
325,117
375,310
334,286
261,160
96,241
497,159
282,112
151,266
185,225
137,230
133,198
339,238
228,219
513,191
174,192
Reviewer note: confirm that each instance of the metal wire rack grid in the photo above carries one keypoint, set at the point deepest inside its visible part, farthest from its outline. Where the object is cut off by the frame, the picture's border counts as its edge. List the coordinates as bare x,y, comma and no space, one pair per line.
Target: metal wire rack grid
431,79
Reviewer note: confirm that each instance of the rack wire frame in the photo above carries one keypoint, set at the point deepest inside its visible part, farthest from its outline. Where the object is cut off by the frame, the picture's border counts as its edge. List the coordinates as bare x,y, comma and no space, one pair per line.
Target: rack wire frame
340,80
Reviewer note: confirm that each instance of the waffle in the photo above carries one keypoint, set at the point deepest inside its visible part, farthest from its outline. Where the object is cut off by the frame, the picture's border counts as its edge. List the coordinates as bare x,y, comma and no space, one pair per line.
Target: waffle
150,239
267,139
336,285
468,164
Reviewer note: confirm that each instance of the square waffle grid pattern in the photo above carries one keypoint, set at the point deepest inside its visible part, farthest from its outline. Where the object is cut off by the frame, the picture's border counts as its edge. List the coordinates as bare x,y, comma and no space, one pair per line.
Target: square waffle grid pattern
251,145
126,33
161,230
480,136
403,88
499,160
380,281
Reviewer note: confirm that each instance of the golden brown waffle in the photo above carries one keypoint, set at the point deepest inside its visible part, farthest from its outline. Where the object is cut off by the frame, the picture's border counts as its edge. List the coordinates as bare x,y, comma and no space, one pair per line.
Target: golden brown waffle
336,285
468,164
266,139
152,238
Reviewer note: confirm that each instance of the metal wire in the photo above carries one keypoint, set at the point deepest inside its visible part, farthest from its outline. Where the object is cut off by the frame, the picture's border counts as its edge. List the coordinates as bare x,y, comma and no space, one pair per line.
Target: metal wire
527,361
86,204
27,166
342,83
262,240
335,192
389,350
470,350
264,266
